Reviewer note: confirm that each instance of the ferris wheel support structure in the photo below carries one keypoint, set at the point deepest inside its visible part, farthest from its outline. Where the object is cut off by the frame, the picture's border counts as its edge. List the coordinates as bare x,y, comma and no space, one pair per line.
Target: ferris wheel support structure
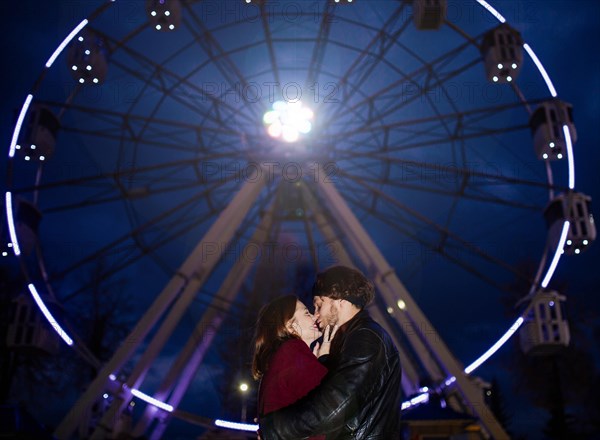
415,325
183,286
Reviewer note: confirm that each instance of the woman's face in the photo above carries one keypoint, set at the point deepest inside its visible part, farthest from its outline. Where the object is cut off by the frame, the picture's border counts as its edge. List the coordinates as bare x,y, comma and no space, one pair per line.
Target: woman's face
303,324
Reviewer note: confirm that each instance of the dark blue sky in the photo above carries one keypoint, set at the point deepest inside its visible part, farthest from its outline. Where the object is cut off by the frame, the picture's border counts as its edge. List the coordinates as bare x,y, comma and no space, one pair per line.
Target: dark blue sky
563,34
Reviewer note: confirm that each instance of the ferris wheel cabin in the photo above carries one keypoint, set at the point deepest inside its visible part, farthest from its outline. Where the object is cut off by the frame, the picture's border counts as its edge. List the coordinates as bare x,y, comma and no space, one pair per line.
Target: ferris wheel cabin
429,14
576,208
548,124
87,58
164,15
502,51
39,137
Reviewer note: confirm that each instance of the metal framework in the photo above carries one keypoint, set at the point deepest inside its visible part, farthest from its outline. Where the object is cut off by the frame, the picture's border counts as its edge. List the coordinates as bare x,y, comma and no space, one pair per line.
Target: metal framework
410,148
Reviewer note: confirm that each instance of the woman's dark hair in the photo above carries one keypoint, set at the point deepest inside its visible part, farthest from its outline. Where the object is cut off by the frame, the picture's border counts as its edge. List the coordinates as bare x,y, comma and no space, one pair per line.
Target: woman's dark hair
271,331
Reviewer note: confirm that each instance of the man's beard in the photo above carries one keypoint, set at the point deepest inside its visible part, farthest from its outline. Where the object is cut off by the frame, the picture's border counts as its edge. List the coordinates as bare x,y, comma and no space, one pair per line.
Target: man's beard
333,316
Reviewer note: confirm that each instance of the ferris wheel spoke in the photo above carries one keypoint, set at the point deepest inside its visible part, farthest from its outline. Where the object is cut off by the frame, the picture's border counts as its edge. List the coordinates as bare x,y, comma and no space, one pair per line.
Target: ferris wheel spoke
427,245
441,188
320,45
372,55
151,224
159,77
395,92
219,57
444,233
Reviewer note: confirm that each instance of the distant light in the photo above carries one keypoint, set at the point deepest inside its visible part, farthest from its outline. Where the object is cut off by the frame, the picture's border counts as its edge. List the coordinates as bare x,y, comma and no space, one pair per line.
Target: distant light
570,157
167,13
390,310
11,223
4,254
87,52
495,79
158,27
64,43
243,387
500,66
552,144
236,426
32,146
18,125
171,26
105,395
288,120
494,348
153,13
545,156
401,304
569,242
509,78
492,11
152,400
89,67
585,242
112,377
514,65
551,303
541,68
95,80
81,80
560,156
27,158
42,158
74,67
577,251
51,320
557,254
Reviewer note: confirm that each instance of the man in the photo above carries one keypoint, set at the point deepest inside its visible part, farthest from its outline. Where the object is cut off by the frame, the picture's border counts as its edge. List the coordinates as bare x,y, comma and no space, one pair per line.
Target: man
359,398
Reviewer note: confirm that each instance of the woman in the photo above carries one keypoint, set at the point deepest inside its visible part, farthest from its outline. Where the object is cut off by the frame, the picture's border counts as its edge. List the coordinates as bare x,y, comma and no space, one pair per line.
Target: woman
282,357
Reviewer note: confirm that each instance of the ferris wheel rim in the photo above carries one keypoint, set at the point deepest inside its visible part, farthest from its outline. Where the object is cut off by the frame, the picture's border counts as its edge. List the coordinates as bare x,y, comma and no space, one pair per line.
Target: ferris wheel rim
24,110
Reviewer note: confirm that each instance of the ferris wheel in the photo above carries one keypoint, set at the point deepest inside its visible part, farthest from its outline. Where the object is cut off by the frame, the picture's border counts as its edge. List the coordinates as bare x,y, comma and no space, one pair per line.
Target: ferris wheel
186,143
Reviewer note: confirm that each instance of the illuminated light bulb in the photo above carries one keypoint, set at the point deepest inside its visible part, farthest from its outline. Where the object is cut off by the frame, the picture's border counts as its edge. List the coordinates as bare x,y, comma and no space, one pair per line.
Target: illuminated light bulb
105,396
509,78
158,27
87,52
500,66
80,39
81,80
585,242
243,387
17,147
569,242
74,67
545,156
551,303
112,377
33,147
27,157
132,403
153,13
559,155
288,120
95,80
495,79
577,251
89,67
552,144
401,304
167,13
171,26
42,158
9,244
4,254
390,310
514,65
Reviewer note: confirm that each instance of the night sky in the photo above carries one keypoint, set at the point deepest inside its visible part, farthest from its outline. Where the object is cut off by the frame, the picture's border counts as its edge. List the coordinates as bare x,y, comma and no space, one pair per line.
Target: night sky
468,313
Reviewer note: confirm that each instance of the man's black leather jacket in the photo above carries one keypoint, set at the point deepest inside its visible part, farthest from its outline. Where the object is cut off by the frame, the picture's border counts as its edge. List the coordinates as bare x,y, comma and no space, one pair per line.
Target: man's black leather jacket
358,399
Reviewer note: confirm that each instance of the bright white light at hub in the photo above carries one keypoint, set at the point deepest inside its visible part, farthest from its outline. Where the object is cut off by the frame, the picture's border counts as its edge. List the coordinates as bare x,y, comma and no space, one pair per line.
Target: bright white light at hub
288,120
